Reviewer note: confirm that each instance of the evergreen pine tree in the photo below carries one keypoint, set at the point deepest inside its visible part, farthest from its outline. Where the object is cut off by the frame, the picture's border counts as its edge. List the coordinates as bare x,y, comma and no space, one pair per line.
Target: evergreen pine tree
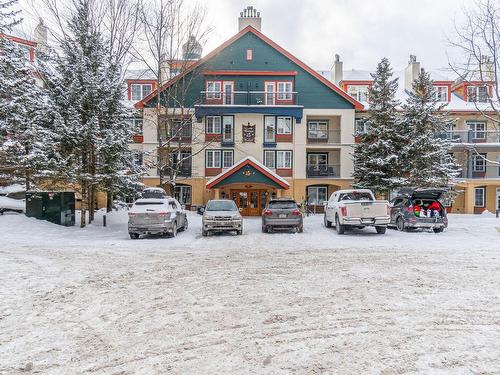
429,163
87,88
27,137
378,157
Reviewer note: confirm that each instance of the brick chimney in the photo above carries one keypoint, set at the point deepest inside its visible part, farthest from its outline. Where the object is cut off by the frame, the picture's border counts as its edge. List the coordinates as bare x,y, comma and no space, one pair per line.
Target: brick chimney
249,17
40,36
337,70
411,72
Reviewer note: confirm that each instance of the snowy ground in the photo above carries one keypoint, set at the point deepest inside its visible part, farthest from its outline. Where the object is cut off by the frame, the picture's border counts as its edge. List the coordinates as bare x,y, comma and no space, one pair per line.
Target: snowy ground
93,301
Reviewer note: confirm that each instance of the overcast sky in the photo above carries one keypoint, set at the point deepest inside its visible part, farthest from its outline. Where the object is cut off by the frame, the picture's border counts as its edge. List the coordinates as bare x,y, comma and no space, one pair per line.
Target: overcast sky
360,31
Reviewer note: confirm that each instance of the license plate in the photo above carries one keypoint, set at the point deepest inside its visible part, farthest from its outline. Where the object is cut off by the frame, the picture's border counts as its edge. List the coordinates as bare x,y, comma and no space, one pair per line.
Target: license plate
282,216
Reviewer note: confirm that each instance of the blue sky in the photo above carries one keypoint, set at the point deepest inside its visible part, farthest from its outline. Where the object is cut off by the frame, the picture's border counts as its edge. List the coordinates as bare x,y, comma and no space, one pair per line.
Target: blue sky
360,31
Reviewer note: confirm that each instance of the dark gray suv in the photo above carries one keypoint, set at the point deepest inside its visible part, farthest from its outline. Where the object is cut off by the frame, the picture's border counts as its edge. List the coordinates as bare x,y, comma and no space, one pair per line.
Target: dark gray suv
282,214
419,208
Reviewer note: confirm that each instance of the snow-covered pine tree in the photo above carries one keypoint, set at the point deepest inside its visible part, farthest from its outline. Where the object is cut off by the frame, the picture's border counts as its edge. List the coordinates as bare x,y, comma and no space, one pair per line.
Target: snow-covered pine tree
8,15
27,136
378,161
87,88
429,162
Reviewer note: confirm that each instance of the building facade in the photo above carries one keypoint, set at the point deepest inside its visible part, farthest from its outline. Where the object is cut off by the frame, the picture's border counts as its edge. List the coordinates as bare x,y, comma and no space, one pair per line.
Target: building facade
257,123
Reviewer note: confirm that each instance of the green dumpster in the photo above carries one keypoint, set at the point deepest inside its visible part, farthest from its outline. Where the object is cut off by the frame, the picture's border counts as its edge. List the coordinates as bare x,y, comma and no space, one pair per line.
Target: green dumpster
58,207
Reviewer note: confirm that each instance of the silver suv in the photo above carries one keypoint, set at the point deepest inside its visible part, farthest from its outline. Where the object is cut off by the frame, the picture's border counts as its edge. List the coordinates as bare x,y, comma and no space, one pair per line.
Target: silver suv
221,215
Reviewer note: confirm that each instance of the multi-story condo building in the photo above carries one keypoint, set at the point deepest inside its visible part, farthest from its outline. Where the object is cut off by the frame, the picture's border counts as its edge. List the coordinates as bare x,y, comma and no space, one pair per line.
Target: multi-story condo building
261,124
475,133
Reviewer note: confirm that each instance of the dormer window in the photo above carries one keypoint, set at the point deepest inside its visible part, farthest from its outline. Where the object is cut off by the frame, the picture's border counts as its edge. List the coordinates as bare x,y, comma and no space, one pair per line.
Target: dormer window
441,93
140,91
358,92
477,94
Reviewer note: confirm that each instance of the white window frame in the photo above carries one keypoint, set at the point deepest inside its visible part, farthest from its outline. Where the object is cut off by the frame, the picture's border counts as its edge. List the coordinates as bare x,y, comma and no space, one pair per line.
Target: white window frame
212,126
284,90
179,192
285,126
214,90
481,164
223,128
439,91
360,123
317,123
266,139
473,126
216,159
142,90
317,189
358,92
284,162
482,200
249,54
225,163
267,161
476,97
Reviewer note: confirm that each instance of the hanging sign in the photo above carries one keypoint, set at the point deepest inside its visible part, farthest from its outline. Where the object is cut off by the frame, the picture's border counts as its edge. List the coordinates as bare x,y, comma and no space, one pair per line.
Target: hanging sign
248,133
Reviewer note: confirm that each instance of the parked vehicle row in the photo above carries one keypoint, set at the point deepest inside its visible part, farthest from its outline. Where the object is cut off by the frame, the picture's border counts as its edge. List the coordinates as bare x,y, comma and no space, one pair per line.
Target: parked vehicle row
157,213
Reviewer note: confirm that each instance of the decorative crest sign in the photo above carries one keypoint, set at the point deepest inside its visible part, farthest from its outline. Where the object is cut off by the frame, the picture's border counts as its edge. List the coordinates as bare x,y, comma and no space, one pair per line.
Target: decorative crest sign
248,133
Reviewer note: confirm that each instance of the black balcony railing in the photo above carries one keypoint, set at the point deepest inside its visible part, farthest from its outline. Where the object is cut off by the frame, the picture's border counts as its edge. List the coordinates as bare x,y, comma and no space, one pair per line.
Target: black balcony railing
323,136
323,171
184,170
248,98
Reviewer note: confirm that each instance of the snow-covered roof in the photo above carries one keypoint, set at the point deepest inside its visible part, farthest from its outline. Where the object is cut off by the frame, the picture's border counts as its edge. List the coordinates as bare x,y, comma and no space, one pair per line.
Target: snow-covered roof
15,188
245,160
455,104
139,74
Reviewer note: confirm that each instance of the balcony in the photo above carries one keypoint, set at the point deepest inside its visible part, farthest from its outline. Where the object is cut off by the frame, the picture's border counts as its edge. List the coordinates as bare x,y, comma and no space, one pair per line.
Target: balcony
470,136
183,171
323,171
250,98
330,136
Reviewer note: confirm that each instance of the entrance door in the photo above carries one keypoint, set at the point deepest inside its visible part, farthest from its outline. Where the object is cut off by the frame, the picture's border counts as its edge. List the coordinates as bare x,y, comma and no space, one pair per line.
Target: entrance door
249,201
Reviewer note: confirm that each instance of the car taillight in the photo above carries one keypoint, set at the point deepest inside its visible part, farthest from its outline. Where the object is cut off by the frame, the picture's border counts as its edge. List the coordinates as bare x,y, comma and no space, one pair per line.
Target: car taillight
296,213
409,209
268,212
164,214
388,210
343,211
132,214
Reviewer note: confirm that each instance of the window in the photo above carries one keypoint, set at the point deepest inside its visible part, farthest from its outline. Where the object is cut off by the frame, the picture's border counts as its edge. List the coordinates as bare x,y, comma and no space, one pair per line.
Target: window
219,158
213,125
358,92
137,124
283,159
441,93
183,194
478,129
479,196
477,93
479,163
249,54
270,159
213,159
138,158
270,94
360,126
227,129
284,125
317,129
317,159
140,91
214,89
227,158
316,195
284,90
269,129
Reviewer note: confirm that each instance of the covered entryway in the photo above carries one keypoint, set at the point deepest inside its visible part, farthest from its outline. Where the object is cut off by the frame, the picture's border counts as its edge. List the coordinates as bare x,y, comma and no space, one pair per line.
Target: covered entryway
249,184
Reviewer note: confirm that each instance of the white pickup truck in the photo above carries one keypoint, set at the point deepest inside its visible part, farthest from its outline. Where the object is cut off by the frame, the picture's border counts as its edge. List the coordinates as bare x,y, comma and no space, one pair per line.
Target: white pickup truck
356,208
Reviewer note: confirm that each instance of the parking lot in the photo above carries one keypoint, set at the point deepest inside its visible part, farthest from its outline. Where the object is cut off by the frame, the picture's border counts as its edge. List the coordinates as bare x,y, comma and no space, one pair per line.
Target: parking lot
93,301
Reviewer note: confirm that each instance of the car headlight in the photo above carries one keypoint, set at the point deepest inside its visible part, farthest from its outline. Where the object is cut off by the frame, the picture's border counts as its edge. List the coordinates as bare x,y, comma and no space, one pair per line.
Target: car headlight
208,217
